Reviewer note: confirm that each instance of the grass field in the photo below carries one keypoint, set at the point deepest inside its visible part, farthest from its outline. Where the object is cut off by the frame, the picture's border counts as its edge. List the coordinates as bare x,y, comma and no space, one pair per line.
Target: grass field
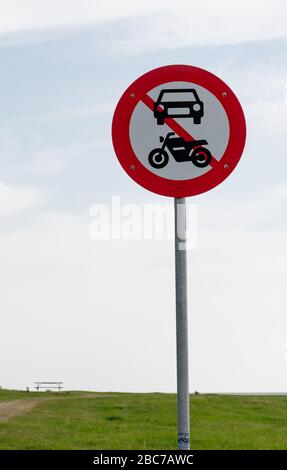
84,420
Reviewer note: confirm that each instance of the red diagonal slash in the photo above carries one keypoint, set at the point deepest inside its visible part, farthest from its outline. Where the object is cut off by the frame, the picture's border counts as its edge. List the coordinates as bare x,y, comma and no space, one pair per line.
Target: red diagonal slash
177,128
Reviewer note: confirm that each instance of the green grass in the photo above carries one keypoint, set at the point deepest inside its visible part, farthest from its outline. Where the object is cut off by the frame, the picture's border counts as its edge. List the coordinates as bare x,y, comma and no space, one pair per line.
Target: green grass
72,420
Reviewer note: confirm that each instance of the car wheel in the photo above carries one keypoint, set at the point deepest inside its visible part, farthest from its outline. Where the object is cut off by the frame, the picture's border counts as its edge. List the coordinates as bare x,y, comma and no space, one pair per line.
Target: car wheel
158,158
201,157
197,120
160,121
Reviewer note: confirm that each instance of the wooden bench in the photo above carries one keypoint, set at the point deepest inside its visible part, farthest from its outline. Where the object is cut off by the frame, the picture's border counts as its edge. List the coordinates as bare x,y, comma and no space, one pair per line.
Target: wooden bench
49,385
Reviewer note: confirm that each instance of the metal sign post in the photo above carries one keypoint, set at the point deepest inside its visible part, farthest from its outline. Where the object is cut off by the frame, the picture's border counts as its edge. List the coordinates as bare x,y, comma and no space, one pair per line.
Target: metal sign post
181,324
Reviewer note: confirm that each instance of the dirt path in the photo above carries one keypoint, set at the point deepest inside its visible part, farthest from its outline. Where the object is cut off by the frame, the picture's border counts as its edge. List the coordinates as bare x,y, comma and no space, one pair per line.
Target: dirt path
11,408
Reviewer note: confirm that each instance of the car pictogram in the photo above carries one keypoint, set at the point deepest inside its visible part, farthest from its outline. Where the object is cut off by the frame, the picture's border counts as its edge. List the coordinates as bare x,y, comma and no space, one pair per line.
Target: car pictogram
178,103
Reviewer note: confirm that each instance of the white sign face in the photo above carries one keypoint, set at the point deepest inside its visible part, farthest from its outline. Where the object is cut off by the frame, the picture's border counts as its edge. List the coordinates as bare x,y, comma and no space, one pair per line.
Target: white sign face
181,129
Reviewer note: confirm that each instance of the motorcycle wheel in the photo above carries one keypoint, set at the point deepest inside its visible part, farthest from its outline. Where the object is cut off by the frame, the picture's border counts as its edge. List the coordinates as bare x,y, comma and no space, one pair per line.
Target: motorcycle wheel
201,157
158,158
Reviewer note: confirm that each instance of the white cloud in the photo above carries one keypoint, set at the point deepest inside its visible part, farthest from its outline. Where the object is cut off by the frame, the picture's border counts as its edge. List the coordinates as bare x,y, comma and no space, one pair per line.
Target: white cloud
261,211
33,14
101,314
69,114
269,116
169,24
15,198
25,151
238,288
206,23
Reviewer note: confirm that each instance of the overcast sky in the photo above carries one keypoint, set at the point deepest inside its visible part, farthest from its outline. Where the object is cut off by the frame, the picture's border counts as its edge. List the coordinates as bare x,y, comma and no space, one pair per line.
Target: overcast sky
101,314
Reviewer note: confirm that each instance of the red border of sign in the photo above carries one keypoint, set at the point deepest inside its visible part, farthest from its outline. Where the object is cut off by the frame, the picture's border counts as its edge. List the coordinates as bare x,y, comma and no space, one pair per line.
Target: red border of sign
137,171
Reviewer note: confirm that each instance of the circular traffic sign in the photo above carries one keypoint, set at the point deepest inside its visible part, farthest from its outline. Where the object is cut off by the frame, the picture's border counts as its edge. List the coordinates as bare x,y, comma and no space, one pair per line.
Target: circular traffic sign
178,130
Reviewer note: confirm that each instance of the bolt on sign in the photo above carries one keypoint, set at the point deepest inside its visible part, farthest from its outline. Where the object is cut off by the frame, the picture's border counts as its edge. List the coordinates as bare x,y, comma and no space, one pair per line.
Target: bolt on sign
178,131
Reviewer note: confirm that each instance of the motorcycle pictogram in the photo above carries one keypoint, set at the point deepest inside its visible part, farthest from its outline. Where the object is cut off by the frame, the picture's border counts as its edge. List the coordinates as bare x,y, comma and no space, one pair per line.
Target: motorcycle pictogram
181,150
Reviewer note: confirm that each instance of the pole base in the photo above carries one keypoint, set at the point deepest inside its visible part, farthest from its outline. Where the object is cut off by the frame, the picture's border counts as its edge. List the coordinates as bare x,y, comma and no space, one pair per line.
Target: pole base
183,442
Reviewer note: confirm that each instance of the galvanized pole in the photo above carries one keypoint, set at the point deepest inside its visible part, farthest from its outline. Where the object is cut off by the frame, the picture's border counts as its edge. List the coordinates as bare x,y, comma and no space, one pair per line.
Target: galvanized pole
181,324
